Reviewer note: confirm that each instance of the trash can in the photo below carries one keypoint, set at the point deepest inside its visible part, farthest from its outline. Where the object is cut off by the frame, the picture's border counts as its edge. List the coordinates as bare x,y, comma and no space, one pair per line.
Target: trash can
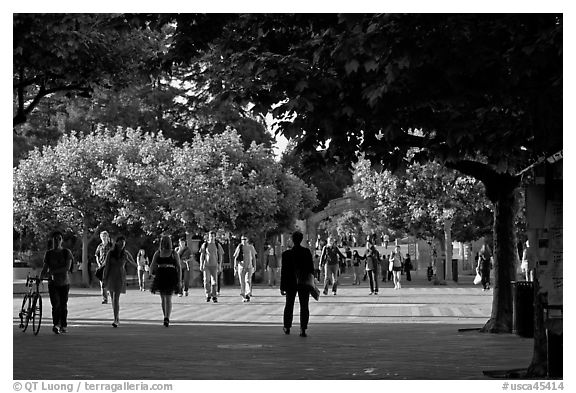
455,270
554,341
523,308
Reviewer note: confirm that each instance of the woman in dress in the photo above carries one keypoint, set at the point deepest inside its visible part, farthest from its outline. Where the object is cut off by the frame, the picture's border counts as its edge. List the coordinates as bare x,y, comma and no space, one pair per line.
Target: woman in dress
114,276
166,269
142,261
356,259
396,266
57,264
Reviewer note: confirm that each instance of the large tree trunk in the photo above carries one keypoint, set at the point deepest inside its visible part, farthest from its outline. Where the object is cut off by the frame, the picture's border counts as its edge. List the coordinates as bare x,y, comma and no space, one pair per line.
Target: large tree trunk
500,190
504,262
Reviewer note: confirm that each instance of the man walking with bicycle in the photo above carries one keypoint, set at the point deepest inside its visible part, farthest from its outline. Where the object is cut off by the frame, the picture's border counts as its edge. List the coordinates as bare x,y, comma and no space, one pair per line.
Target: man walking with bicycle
57,264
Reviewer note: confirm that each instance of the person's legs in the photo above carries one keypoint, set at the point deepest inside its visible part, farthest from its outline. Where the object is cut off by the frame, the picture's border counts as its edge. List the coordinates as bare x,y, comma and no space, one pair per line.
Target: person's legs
55,302
326,278
63,294
163,302
375,273
186,279
242,279
168,302
213,280
397,273
334,273
248,284
371,280
289,308
303,298
141,279
115,298
104,292
207,283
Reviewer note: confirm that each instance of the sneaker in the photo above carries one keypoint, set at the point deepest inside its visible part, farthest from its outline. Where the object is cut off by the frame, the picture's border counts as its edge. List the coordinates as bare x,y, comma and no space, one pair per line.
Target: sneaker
286,330
325,292
244,300
376,293
105,301
179,295
247,298
214,299
114,324
63,330
207,299
303,333
56,330
166,322
186,293
371,293
333,293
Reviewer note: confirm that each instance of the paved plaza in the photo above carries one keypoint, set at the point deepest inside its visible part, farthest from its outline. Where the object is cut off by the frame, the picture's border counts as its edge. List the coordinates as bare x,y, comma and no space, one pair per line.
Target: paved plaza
419,332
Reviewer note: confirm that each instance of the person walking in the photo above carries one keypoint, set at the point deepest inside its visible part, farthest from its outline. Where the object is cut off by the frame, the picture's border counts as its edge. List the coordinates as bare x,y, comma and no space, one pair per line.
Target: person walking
58,262
143,268
185,255
329,261
528,262
101,252
408,267
166,269
484,266
271,265
244,266
297,267
395,266
372,259
211,258
114,276
356,261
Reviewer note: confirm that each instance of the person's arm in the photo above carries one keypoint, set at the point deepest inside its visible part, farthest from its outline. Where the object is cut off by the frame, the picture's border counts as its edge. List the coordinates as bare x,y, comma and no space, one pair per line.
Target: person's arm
130,259
154,264
44,271
97,255
220,257
202,256
323,257
178,267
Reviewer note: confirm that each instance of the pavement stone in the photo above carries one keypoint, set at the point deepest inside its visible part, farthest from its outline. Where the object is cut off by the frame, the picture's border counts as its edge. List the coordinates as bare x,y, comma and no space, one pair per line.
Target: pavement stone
420,332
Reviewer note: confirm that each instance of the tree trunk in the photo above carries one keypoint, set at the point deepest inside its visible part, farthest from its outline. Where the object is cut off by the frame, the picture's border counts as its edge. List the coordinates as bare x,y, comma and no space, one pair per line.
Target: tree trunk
500,190
448,246
504,260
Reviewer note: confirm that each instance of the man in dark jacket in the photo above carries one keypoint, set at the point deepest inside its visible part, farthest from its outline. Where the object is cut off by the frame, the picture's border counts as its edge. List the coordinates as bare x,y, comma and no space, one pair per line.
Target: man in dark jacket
297,266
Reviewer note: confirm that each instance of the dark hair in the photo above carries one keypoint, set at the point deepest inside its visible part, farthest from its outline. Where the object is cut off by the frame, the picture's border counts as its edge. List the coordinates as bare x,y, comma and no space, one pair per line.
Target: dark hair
55,235
117,251
297,237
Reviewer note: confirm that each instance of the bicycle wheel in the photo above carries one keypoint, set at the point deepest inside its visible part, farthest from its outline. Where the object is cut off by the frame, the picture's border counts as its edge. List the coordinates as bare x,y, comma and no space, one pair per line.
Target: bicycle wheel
24,312
36,313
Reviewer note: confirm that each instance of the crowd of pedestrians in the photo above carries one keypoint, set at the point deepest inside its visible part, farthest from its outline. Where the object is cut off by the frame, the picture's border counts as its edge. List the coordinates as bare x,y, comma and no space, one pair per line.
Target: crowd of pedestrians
170,269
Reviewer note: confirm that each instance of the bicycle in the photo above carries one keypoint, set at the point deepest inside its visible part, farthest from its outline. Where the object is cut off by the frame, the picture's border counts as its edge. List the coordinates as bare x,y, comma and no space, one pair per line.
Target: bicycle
31,306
